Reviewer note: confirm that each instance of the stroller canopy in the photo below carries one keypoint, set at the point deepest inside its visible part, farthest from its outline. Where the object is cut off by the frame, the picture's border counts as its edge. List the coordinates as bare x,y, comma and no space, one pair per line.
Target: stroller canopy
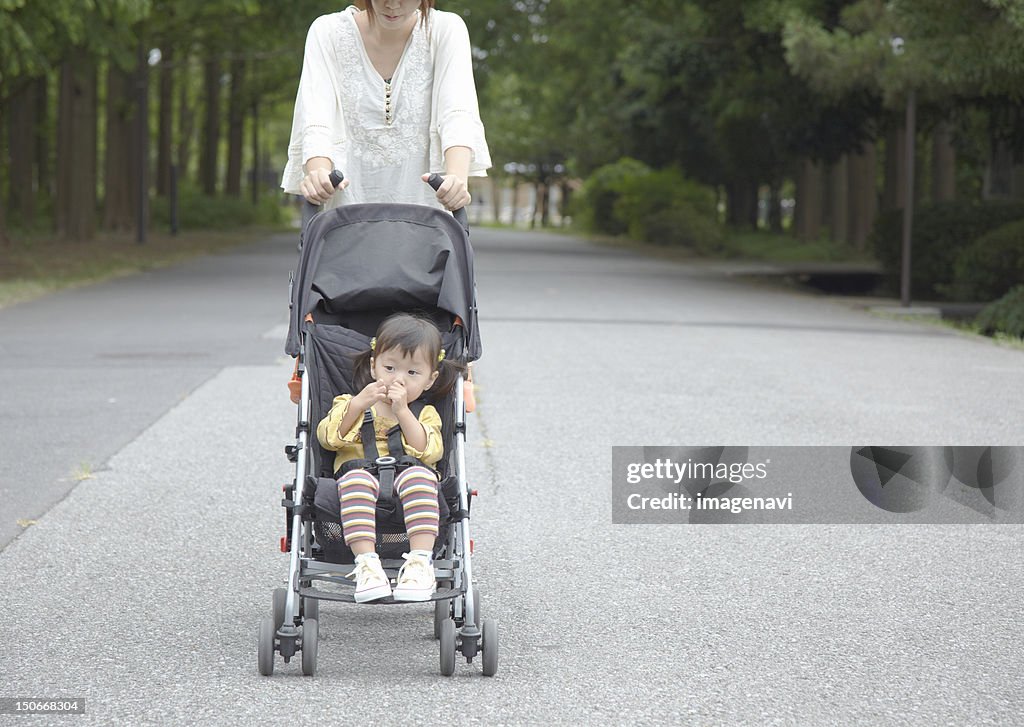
365,257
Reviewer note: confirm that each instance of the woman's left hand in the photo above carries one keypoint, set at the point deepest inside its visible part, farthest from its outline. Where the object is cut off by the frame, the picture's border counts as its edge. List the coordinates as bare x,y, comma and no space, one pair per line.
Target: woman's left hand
453,192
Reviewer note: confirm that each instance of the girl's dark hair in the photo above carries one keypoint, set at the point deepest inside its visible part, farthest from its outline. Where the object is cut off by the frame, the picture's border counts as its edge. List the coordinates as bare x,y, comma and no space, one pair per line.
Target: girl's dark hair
409,333
425,7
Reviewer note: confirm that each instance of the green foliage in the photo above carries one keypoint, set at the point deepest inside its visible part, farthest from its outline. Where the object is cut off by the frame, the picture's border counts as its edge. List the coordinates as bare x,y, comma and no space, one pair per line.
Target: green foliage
664,208
1005,315
656,206
991,265
198,211
595,205
941,231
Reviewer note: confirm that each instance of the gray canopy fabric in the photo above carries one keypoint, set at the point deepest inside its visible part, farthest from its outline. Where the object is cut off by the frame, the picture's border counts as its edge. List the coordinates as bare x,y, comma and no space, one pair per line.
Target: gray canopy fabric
371,256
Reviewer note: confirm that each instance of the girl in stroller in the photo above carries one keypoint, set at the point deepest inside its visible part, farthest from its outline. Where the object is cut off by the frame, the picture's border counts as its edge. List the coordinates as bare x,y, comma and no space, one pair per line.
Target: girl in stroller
404,361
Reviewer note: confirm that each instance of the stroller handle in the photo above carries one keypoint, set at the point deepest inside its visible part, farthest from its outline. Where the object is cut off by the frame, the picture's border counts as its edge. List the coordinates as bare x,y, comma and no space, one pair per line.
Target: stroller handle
435,181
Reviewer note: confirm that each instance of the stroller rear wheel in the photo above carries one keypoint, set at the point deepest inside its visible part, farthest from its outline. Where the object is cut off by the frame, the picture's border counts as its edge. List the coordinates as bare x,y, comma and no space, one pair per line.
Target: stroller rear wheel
310,637
442,612
265,648
280,596
310,609
489,646
447,647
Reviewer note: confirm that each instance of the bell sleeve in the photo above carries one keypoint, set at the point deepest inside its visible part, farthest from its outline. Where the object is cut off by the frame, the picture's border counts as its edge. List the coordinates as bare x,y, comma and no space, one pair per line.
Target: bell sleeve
327,432
455,112
432,453
318,126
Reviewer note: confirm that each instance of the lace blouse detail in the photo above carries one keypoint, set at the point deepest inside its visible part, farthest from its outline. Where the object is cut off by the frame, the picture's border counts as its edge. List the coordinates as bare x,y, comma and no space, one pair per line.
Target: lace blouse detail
342,110
377,142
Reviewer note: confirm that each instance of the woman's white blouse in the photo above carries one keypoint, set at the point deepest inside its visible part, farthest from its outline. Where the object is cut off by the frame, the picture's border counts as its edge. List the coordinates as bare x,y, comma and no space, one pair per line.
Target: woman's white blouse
382,135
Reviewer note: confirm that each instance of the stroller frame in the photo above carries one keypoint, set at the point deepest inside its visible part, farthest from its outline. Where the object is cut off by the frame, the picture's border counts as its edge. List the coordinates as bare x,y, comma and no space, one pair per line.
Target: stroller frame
293,626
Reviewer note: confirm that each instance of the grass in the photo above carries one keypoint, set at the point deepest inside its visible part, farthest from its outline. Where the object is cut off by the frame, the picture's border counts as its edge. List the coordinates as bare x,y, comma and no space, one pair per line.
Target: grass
32,265
776,247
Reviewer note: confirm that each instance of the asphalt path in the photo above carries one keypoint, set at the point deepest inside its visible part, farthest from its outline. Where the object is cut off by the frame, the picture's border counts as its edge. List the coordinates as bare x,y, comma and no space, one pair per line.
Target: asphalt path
141,583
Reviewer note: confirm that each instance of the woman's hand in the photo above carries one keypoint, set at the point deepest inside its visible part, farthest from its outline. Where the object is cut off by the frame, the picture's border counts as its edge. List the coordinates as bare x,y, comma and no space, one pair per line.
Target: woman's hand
453,192
316,186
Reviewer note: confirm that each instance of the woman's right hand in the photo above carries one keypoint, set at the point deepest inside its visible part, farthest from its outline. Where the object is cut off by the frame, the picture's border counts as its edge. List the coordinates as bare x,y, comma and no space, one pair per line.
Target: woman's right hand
316,186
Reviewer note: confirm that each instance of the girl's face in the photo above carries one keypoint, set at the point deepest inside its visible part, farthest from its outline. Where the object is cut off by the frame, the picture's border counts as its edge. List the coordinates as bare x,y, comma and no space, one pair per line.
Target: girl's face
394,13
414,371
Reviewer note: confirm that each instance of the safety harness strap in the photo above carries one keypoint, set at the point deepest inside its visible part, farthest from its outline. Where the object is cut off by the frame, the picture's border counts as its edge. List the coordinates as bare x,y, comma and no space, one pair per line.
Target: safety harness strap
386,468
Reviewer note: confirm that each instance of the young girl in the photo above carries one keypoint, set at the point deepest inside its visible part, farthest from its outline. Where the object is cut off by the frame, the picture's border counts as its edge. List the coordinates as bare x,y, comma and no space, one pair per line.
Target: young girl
404,361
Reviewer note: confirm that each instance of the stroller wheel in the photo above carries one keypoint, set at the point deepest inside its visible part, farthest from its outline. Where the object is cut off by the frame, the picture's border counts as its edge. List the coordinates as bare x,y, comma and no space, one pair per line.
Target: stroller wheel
310,637
489,636
442,612
476,604
280,596
447,647
265,648
310,609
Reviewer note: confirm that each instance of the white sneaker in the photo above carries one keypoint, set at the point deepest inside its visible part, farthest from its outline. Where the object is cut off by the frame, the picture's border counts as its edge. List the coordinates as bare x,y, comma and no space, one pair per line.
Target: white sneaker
372,583
416,580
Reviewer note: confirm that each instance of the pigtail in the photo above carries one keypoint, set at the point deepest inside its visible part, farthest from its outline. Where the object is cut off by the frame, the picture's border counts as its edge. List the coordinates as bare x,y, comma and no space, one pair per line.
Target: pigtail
448,374
361,375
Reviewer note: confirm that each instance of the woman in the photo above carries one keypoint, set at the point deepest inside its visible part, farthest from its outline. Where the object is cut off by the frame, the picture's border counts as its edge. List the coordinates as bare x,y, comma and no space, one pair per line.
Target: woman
386,96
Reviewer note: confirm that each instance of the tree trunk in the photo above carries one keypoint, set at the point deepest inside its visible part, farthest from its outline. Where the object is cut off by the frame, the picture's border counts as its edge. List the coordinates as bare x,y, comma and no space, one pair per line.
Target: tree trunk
809,200
43,136
496,194
894,192
838,204
186,127
211,127
75,203
544,202
120,170
4,169
863,196
165,124
775,208
943,164
741,204
236,125
21,130
565,202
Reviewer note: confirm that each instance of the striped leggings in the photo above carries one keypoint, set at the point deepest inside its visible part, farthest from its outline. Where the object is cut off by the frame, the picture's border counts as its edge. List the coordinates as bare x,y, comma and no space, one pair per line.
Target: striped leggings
358,491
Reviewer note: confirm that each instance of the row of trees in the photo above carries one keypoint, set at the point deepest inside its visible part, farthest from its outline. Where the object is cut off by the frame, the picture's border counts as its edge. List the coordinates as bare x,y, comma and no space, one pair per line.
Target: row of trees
742,95
77,75
749,95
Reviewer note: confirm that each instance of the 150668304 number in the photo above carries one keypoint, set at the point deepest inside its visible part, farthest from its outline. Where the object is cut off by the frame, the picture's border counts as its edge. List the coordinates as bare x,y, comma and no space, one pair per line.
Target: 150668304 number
45,705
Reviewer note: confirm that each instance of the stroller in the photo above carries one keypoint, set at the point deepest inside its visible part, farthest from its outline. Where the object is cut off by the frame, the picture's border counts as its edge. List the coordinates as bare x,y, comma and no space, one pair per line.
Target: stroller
359,264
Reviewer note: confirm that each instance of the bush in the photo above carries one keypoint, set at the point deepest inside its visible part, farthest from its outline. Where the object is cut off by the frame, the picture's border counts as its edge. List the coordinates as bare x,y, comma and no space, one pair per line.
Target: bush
665,208
199,211
1006,315
595,207
941,231
991,265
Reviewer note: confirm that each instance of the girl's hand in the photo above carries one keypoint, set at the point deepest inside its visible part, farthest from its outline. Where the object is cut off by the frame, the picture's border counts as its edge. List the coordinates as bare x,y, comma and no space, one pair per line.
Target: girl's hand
453,192
372,393
397,395
316,186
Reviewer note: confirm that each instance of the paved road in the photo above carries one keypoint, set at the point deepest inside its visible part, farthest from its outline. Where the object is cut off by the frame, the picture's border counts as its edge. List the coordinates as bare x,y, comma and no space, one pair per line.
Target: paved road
142,588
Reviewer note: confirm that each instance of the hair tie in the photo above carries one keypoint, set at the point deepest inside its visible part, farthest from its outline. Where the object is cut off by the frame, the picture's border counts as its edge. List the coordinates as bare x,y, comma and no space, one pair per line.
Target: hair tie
373,343
440,356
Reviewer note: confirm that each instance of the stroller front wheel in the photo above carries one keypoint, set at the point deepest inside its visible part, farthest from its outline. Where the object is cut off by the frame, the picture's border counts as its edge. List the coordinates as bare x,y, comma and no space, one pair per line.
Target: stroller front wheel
265,648
489,646
447,647
310,637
